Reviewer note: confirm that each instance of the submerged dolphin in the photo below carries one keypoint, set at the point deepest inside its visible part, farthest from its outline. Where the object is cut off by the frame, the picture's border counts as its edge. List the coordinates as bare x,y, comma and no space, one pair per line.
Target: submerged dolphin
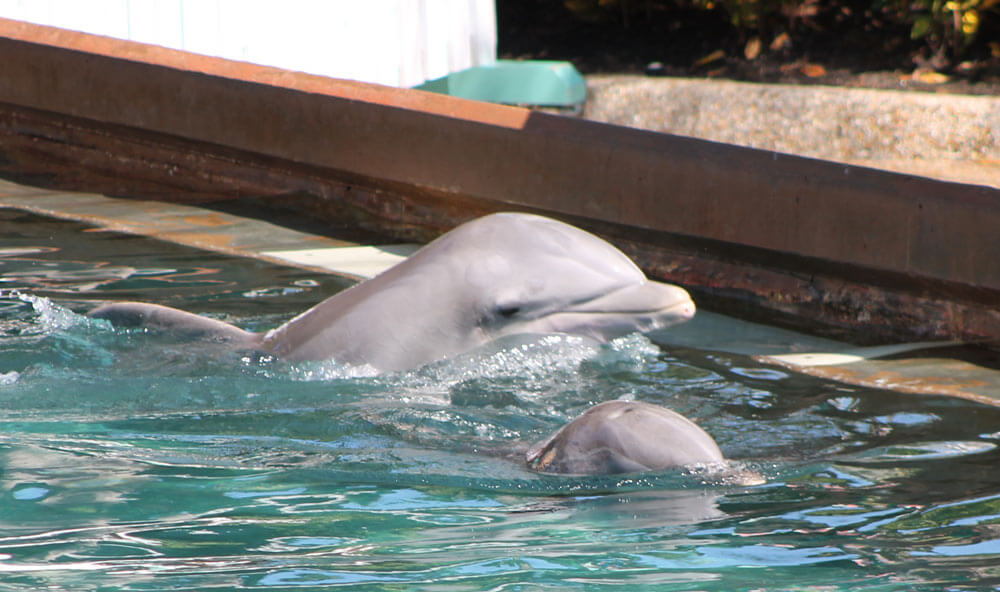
624,437
499,275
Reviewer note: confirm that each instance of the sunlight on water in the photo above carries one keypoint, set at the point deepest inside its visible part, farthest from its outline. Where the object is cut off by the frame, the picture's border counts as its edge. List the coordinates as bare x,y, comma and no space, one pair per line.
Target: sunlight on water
135,461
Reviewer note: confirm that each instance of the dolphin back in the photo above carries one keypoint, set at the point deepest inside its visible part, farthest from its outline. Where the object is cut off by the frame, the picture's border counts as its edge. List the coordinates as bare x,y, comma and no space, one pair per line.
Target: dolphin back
174,321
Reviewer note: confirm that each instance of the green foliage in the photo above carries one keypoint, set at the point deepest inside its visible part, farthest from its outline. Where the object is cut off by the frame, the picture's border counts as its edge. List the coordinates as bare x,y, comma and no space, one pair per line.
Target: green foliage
750,15
946,27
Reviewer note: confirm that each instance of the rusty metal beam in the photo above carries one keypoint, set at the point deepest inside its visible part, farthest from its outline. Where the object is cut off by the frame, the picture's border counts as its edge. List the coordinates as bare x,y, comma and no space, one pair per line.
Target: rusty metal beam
852,249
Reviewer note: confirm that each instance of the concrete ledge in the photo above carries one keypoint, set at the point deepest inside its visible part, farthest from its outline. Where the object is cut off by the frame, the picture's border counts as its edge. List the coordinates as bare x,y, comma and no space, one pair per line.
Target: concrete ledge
843,246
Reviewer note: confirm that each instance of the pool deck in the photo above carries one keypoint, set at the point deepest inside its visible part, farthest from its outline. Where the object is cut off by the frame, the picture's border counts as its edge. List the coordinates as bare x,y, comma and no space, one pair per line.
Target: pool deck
921,368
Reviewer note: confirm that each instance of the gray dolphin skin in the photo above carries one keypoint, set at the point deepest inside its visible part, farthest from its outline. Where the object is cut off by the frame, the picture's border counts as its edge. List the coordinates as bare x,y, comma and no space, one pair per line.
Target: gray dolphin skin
624,437
498,275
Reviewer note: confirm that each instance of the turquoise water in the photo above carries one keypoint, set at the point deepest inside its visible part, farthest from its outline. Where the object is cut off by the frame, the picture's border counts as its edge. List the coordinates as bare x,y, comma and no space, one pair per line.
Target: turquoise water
131,461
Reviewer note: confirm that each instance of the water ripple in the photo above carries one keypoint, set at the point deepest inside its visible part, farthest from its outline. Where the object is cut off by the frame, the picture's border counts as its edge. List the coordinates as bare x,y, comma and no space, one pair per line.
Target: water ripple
130,461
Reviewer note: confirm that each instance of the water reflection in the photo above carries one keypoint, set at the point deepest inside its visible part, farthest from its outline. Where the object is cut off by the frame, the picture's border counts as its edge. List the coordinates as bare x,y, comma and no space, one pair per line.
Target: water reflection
44,257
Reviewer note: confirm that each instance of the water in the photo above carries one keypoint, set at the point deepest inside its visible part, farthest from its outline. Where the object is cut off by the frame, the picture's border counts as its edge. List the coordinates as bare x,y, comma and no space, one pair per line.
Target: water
131,461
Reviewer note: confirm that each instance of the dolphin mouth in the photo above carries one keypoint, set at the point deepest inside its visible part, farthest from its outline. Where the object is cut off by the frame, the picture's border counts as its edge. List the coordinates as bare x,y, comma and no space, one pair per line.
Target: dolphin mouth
643,307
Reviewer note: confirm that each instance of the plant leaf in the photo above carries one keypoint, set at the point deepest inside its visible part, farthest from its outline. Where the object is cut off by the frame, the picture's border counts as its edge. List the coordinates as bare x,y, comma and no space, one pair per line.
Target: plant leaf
921,27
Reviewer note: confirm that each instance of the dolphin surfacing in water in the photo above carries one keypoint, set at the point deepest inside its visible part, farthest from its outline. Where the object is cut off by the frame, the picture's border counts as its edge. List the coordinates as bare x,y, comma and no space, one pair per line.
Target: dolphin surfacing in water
498,275
624,437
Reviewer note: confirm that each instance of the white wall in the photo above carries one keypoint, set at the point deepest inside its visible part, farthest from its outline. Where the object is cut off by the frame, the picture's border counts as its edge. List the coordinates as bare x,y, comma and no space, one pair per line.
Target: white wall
393,42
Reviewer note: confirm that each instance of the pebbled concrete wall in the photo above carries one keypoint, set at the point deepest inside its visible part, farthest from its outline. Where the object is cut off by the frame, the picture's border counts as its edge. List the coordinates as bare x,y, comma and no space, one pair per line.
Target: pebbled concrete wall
949,137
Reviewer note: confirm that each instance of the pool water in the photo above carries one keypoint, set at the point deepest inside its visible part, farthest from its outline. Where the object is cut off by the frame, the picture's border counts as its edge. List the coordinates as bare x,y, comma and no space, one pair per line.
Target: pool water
132,461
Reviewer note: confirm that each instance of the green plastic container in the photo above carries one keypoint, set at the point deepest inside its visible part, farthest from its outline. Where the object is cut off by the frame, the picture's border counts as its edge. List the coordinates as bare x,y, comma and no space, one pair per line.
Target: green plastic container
529,83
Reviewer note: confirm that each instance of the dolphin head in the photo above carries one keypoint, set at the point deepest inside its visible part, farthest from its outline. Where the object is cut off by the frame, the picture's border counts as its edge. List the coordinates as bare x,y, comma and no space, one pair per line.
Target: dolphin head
537,275
624,437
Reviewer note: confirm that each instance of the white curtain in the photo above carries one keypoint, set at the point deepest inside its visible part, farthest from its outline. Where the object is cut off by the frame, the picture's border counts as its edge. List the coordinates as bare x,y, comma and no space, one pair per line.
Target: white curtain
393,42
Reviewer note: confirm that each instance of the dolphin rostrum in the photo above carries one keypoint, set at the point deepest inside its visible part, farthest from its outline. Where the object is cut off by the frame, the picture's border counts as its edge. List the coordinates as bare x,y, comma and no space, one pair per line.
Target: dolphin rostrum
624,437
498,275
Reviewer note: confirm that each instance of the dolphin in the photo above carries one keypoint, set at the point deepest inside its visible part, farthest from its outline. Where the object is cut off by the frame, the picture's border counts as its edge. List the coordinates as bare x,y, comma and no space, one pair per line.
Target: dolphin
499,275
624,437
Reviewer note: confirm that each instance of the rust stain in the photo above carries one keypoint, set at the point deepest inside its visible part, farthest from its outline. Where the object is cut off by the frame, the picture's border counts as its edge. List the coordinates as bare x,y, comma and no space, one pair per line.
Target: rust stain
214,241
922,384
108,47
210,220
107,224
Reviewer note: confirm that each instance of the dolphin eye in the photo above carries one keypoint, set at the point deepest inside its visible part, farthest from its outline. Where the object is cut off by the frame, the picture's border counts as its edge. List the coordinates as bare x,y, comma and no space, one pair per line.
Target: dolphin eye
508,311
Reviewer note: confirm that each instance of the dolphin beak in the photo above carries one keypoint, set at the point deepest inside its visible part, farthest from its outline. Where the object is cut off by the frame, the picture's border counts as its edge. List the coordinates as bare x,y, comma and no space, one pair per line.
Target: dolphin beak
638,307
641,307
666,302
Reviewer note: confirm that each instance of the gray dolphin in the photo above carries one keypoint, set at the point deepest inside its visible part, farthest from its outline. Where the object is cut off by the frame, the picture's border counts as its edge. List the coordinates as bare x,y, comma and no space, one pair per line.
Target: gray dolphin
498,275
624,437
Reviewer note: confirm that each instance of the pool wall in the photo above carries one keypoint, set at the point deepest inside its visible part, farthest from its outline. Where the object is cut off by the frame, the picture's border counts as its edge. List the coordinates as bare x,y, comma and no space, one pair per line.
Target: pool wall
872,255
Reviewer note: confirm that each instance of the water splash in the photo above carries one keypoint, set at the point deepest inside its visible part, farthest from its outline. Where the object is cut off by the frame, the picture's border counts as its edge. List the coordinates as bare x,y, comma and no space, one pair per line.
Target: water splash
53,317
325,371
